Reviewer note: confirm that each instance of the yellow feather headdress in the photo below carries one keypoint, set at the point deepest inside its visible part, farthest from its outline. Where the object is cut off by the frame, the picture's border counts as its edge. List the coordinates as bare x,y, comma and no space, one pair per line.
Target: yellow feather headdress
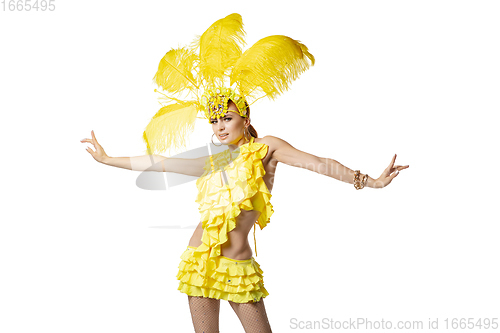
213,70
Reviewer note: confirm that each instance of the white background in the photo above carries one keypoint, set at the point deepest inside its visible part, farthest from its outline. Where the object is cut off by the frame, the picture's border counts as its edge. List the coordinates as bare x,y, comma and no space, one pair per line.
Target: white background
83,249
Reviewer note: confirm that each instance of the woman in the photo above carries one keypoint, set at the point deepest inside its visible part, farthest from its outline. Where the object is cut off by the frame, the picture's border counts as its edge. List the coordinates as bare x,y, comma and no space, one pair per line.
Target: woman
234,185
252,314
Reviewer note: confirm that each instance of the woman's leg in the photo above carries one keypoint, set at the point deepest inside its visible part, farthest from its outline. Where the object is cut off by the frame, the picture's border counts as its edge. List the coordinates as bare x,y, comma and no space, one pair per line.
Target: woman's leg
252,316
205,314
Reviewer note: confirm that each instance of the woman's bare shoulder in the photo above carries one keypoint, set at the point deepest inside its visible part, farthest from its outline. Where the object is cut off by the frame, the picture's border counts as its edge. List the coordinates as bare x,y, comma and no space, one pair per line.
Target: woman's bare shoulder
284,152
271,141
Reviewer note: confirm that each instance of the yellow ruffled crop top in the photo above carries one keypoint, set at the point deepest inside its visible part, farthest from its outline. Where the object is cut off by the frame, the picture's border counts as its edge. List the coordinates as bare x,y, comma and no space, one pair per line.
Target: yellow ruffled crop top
222,196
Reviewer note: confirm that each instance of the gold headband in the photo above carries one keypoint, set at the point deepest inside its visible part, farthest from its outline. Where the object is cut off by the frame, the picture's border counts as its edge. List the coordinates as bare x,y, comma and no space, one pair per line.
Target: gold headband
215,102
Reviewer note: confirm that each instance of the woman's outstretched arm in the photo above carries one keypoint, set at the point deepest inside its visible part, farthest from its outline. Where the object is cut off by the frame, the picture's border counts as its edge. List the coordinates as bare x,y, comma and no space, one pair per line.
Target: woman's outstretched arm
191,167
285,153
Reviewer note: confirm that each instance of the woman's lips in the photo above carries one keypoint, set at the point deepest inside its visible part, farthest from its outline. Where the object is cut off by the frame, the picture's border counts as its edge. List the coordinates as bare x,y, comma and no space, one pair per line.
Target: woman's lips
223,136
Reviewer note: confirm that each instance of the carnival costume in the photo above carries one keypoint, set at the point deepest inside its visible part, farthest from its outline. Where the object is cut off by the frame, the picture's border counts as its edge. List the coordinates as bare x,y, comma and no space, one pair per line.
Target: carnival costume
210,72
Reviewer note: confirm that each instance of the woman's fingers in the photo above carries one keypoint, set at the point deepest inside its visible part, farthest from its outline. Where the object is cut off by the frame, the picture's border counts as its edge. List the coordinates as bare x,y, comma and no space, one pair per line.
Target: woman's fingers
87,140
400,167
392,162
96,144
391,177
388,170
92,141
93,137
98,153
391,168
391,172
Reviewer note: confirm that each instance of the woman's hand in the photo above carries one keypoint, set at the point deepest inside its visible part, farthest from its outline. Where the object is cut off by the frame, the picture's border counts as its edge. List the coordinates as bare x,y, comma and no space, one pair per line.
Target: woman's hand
389,174
99,155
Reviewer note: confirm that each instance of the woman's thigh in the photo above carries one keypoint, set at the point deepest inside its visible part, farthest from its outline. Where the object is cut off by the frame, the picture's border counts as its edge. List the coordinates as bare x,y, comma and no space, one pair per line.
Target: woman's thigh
252,316
204,313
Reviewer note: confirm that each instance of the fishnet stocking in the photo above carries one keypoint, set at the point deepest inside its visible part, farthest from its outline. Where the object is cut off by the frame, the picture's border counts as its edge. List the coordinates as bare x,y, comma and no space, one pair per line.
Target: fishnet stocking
205,314
252,316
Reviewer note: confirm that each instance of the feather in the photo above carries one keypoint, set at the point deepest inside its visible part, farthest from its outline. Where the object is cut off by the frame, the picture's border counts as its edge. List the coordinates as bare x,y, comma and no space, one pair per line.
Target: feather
170,127
220,46
270,66
175,71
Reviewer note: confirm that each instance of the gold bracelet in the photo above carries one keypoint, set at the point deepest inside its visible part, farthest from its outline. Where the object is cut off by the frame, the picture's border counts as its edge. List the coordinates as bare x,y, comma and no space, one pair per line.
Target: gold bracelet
358,184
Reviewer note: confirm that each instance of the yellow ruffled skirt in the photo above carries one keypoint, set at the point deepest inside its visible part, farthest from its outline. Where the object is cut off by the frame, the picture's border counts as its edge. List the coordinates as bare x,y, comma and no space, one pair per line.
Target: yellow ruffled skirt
239,281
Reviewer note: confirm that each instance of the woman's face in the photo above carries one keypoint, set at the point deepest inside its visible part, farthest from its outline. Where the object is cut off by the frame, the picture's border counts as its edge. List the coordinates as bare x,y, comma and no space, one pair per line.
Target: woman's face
231,124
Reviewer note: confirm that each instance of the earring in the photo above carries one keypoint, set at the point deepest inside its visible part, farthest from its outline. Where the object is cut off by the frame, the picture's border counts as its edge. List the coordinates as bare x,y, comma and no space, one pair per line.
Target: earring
213,141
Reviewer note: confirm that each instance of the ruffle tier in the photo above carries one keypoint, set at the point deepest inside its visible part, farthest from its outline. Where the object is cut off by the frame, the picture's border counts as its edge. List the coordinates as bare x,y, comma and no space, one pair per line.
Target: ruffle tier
238,281
220,204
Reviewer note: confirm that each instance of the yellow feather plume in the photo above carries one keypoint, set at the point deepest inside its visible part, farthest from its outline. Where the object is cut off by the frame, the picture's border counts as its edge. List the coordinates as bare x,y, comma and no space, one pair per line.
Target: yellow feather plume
215,60
170,127
175,71
270,66
220,47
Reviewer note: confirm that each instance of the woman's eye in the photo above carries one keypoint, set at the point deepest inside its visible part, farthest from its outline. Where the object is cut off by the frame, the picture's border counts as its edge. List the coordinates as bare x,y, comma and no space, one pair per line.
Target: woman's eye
214,121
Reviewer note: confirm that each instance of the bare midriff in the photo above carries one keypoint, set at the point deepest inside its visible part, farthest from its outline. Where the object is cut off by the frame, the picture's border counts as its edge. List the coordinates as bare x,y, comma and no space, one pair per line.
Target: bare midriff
237,246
